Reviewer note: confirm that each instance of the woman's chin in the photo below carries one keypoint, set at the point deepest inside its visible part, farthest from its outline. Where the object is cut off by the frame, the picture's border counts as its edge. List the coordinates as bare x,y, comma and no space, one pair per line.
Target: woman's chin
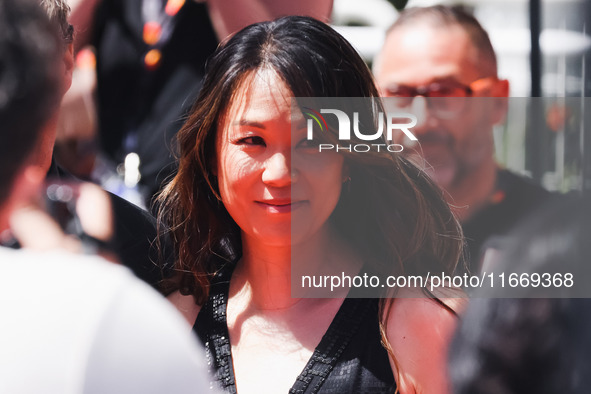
285,235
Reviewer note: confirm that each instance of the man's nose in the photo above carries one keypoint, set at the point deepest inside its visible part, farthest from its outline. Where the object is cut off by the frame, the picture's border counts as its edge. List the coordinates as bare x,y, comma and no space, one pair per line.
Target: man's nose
422,108
278,170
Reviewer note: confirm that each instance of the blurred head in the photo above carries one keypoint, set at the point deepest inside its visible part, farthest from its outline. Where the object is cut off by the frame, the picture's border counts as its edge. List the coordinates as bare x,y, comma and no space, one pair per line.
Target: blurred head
439,52
29,85
243,173
541,345
58,12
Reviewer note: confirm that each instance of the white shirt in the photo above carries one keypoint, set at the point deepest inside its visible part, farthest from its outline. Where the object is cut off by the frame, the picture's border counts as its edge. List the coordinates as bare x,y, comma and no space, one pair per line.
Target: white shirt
78,324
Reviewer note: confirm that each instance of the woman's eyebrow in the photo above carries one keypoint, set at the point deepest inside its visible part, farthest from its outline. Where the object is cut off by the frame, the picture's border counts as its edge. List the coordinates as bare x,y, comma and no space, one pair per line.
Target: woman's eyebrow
249,123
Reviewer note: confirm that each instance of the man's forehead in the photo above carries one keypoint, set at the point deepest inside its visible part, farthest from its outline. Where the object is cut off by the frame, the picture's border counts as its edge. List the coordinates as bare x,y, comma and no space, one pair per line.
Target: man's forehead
419,54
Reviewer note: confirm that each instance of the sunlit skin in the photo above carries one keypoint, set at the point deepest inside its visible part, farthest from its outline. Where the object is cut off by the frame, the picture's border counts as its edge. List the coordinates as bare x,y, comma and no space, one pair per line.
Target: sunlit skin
458,151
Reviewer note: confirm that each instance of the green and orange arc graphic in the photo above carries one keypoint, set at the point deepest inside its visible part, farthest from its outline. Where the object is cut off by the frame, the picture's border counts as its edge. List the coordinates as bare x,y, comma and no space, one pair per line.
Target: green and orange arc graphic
315,115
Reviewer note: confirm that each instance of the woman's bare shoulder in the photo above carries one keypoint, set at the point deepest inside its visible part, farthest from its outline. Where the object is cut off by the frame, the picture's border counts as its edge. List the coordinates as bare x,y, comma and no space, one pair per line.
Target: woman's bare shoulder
419,329
415,312
186,305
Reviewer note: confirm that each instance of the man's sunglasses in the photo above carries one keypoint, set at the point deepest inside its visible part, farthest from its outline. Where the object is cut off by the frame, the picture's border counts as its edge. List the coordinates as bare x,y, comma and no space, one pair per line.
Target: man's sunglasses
448,96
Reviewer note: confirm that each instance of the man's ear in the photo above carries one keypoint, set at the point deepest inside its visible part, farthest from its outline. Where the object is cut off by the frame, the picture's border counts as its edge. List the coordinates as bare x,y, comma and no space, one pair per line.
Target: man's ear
500,92
68,61
501,88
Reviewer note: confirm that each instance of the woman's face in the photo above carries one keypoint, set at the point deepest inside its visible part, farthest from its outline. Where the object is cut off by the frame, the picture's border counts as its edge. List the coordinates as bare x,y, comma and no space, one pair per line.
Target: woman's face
279,189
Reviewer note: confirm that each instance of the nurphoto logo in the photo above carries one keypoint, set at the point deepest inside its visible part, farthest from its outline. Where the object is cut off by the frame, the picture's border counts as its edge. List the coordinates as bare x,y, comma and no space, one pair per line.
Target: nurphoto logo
390,122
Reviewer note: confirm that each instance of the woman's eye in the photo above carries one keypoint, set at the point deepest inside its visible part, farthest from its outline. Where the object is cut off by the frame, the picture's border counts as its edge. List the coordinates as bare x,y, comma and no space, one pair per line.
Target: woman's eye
252,141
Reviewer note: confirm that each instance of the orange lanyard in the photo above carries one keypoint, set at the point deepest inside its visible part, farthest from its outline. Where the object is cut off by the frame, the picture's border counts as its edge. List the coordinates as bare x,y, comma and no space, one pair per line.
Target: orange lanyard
158,27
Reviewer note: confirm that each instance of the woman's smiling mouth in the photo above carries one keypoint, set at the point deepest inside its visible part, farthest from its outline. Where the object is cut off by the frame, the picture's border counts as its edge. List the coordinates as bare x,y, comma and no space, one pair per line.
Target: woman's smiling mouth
280,205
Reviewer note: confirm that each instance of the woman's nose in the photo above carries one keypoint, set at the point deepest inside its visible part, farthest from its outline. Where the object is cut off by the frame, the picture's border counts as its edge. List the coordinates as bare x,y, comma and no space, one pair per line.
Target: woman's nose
278,170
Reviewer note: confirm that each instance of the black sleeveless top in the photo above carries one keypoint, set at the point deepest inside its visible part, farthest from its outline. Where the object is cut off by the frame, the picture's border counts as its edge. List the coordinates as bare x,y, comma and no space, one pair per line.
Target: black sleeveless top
348,359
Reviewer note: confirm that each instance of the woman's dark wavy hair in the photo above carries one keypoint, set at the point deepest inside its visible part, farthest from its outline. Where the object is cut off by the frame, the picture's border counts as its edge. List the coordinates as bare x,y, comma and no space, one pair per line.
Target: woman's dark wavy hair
396,217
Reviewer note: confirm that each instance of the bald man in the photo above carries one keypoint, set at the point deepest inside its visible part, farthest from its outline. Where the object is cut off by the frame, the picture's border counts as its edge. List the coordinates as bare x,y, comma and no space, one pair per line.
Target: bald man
438,52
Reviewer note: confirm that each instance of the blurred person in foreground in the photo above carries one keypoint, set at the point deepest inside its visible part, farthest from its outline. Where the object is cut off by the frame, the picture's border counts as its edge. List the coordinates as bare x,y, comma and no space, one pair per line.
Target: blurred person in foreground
70,324
134,230
532,344
440,52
